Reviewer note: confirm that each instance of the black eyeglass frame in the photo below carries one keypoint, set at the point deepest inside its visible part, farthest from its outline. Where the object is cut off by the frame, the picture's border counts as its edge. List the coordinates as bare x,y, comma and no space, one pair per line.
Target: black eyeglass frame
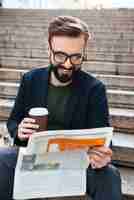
67,56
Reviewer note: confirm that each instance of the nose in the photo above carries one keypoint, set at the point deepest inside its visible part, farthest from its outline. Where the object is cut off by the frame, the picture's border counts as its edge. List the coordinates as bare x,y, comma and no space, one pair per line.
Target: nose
68,64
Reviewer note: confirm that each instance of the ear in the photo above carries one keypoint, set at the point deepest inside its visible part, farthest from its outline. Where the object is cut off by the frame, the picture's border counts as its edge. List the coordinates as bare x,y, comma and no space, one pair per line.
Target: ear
85,53
50,56
49,51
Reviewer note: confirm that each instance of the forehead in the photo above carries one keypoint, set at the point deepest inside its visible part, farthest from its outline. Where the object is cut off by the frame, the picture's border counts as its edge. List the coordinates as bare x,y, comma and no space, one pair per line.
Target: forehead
68,44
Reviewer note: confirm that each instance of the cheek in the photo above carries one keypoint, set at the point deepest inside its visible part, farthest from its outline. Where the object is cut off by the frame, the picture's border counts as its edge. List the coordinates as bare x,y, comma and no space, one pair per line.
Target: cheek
60,71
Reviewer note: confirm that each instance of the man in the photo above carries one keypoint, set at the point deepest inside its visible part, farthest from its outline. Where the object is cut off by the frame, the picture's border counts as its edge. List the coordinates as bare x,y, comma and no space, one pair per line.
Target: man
75,100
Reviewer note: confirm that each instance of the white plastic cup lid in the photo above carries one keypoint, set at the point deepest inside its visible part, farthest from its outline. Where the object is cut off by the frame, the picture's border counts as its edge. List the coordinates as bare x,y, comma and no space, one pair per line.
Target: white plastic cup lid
38,111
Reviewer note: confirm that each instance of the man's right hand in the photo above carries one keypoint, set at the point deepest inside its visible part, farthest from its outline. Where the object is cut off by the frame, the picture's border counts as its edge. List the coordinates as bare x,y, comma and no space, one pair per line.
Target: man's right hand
26,128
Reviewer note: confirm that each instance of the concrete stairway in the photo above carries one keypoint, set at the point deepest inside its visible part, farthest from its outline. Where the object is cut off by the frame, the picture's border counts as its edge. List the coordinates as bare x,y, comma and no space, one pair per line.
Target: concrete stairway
23,46
121,119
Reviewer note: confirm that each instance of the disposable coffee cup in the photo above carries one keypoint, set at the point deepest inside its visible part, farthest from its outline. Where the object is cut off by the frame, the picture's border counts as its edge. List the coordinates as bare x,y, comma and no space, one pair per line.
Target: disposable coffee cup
40,114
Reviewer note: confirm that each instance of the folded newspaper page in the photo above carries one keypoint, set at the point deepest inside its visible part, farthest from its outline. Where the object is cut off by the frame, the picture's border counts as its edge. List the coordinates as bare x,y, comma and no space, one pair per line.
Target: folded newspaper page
54,163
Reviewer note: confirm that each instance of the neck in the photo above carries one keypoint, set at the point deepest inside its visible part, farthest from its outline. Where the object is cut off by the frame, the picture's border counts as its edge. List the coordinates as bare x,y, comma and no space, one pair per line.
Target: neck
54,81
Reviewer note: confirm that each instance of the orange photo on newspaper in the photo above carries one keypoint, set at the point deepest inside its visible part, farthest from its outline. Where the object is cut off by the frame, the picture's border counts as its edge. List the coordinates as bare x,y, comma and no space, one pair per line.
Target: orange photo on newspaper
71,144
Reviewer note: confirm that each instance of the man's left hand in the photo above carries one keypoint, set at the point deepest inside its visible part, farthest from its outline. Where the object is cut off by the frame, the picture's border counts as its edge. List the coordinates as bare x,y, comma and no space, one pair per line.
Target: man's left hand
100,157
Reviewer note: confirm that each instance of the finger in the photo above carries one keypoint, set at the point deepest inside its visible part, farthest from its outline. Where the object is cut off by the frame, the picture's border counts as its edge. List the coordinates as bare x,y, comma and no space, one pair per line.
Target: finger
28,120
99,163
27,131
99,159
96,152
103,150
98,155
24,136
30,126
96,158
96,165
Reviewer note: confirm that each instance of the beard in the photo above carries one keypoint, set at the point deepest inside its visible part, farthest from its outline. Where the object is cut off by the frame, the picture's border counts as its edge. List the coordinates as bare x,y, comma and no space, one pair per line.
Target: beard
62,76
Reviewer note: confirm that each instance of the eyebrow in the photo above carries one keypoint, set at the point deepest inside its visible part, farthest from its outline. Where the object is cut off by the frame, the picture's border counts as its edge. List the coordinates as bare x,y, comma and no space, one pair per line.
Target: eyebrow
80,53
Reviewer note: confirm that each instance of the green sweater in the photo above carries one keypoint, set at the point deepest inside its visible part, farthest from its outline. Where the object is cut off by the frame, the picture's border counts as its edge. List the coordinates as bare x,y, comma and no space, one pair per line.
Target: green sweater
57,100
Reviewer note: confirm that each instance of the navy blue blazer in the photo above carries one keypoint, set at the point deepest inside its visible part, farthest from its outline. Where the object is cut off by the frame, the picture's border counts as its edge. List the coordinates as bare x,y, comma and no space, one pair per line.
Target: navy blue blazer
87,106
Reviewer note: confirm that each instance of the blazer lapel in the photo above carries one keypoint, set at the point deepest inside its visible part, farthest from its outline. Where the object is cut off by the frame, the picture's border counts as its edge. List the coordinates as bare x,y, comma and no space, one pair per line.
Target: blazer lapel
43,88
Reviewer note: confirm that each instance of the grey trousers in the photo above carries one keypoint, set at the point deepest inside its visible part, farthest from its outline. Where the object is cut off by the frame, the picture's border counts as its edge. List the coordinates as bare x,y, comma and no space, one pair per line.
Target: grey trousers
102,184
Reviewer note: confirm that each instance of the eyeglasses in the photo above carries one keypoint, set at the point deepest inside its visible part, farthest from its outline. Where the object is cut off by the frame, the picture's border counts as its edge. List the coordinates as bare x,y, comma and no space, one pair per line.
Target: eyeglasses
61,57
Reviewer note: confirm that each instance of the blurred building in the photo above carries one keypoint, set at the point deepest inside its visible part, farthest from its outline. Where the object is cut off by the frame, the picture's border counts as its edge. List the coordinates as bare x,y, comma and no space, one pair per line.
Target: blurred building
58,4
123,3
0,3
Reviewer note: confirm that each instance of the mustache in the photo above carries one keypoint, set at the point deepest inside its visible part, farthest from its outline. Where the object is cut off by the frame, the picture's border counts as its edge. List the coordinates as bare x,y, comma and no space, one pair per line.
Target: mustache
62,67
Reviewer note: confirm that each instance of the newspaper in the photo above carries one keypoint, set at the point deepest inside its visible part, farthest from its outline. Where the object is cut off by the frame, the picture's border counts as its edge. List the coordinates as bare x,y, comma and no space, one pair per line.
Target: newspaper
54,163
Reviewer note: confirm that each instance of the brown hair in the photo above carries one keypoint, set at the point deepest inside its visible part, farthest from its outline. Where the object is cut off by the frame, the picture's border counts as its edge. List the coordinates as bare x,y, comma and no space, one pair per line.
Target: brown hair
67,26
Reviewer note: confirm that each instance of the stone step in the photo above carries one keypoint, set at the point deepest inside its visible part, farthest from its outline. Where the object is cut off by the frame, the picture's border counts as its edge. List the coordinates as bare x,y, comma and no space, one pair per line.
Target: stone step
115,68
99,30
123,149
99,24
104,39
11,75
106,56
5,108
121,119
98,35
99,16
22,63
94,26
116,98
24,52
20,41
111,81
113,35
8,89
37,28
120,98
110,15
116,81
115,13
127,176
34,48
88,66
105,67
97,44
